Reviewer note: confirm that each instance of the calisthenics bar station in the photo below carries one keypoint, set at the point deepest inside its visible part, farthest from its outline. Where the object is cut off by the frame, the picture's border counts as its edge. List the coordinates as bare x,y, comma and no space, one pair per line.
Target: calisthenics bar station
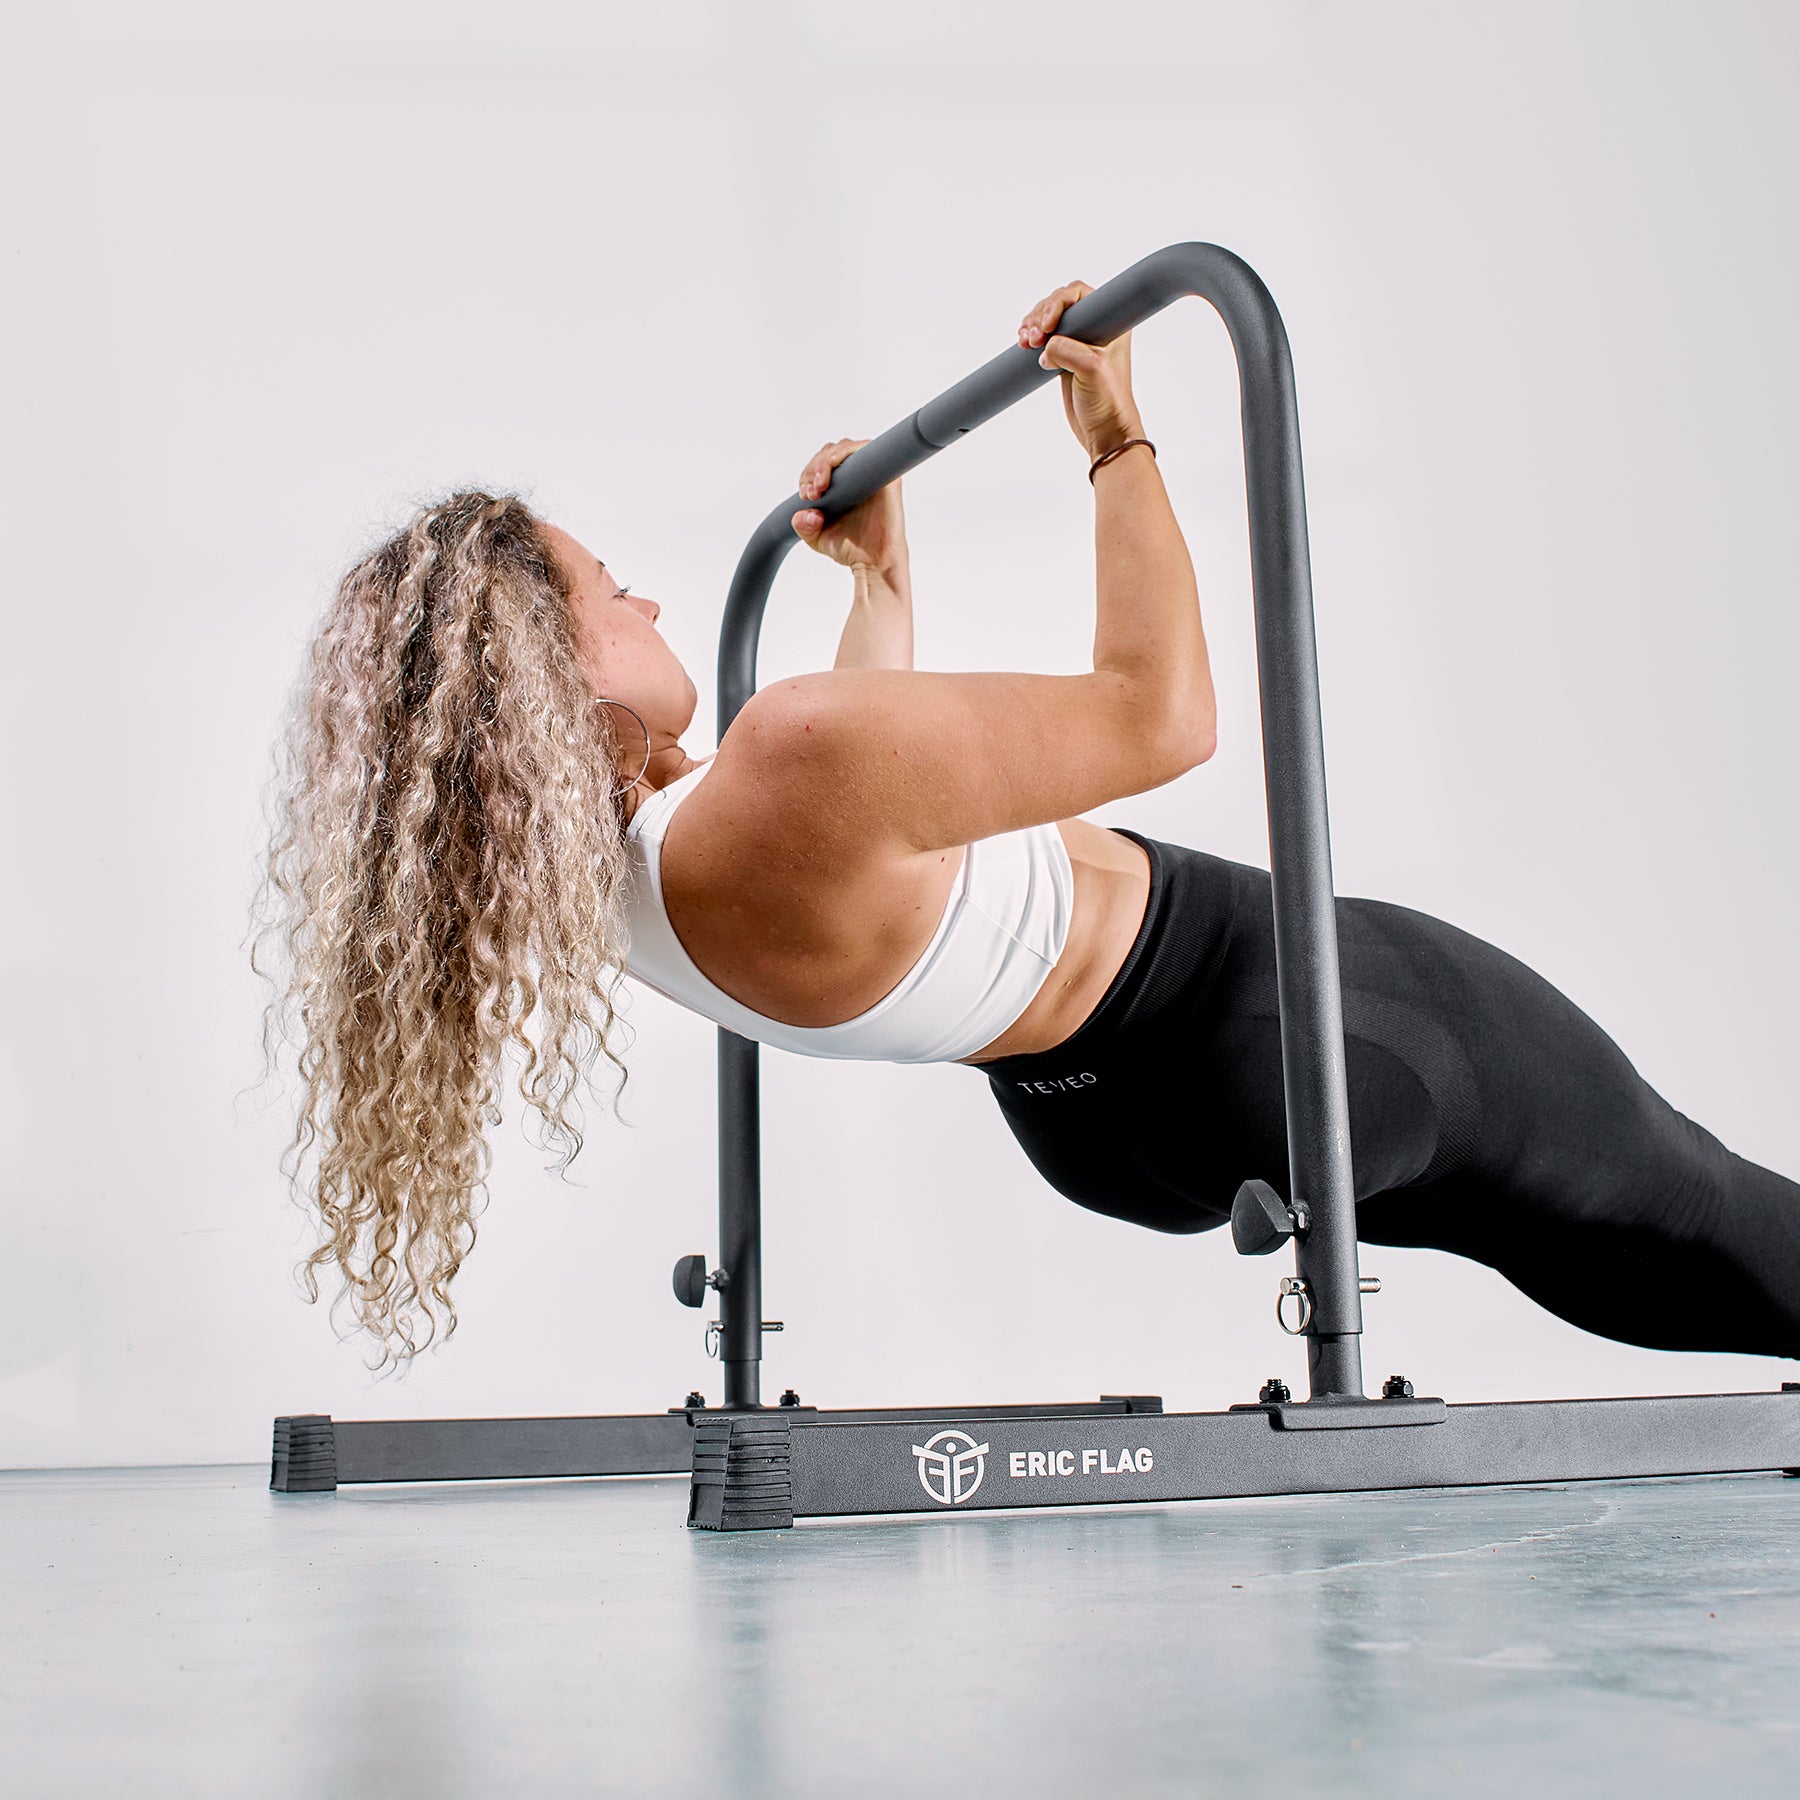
761,1467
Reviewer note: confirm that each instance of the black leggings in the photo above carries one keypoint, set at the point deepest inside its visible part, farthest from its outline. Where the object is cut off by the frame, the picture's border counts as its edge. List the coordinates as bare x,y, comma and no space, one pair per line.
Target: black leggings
1489,1117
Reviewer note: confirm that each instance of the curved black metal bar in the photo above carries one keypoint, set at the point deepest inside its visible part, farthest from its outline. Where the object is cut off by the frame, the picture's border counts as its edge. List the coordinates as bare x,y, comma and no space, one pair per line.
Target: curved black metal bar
1312,1033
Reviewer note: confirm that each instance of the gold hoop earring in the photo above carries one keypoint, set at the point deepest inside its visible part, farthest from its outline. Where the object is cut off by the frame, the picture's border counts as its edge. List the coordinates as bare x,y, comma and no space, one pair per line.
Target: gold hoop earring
625,788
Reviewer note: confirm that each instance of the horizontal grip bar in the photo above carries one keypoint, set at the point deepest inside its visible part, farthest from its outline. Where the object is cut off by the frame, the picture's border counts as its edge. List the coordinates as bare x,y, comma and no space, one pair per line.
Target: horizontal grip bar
1135,294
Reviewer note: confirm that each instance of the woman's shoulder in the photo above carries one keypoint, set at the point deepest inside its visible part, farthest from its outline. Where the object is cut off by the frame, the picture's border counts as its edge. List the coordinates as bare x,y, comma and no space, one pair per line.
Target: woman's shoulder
764,850
771,786
769,815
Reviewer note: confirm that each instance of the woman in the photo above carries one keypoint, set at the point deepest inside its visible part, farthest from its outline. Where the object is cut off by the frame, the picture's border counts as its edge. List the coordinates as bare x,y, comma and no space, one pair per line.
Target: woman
489,810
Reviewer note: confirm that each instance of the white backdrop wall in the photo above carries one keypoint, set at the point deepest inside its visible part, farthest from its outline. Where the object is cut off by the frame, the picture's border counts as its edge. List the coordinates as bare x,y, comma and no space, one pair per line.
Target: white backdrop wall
273,273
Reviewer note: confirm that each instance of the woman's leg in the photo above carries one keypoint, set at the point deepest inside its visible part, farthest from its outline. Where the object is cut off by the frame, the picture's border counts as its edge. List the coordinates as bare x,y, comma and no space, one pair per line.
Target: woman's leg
1572,1176
1489,1117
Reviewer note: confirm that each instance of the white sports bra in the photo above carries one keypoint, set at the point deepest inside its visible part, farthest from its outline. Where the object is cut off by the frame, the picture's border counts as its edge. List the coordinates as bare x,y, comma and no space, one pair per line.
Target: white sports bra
1004,926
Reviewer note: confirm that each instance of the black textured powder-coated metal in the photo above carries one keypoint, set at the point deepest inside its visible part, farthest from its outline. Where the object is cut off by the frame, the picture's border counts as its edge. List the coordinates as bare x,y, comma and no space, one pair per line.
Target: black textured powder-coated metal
835,1469
1312,1032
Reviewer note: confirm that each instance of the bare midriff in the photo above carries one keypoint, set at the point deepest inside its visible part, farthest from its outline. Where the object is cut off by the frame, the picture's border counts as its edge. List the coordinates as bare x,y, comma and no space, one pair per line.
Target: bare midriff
816,957
1112,889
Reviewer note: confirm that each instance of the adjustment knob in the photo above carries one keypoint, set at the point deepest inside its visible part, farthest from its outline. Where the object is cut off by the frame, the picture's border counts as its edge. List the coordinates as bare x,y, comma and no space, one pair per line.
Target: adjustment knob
690,1281
1261,1221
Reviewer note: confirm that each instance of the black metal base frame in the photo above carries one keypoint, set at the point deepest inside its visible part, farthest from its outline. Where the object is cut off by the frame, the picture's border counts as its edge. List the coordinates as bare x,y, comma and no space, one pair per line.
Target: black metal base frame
315,1453
763,1471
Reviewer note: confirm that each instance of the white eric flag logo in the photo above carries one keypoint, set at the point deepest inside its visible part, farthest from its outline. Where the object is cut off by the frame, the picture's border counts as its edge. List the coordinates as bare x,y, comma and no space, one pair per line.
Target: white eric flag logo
951,1466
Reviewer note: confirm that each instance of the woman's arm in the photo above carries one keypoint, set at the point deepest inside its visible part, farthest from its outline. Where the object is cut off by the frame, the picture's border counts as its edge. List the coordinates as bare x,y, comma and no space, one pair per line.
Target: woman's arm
920,761
1147,625
879,631
871,543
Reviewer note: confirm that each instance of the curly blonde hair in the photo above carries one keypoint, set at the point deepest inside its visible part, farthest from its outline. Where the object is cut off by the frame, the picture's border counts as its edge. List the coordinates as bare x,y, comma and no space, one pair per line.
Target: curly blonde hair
446,877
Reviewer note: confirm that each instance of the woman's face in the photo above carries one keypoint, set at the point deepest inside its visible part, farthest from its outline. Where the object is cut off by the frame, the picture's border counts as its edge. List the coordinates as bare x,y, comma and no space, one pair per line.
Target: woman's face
621,651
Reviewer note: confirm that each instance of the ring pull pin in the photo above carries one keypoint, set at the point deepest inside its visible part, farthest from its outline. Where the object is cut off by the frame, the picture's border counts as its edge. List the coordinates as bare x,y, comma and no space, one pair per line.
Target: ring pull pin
1294,1287
715,1331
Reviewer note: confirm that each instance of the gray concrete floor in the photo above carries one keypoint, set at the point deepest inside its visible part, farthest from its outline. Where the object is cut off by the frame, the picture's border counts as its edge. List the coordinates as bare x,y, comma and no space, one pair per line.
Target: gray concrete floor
184,1632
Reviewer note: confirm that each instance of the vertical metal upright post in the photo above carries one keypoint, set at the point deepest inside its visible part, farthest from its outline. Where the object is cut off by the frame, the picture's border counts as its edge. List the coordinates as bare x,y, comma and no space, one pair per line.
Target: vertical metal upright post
740,1069
1312,1032
1308,983
740,1220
